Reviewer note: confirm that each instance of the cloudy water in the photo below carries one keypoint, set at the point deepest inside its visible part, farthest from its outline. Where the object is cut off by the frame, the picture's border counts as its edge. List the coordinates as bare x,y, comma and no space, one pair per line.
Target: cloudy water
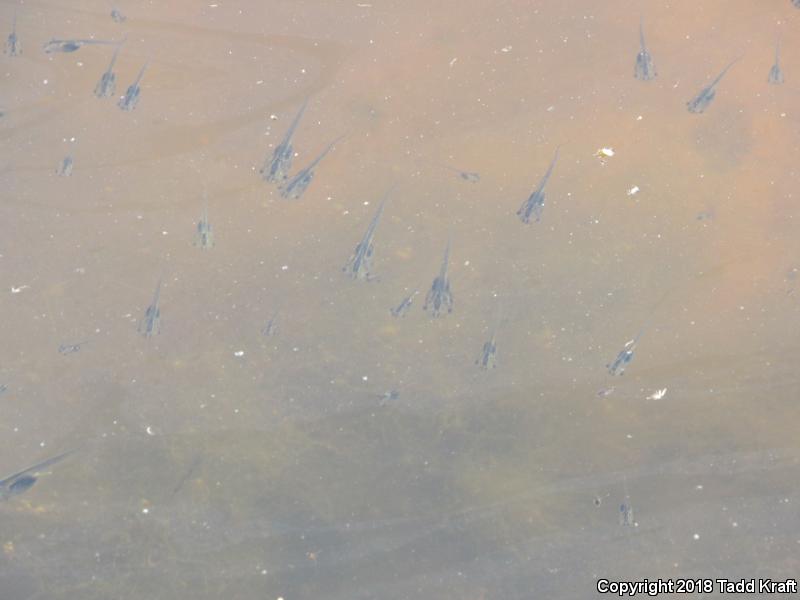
216,310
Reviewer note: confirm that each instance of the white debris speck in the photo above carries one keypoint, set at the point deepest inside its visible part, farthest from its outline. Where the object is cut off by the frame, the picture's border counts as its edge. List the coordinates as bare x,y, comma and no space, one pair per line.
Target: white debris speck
505,49
696,536
17,290
79,63
633,191
452,62
466,263
285,268
551,108
359,6
44,82
699,486
145,511
149,430
239,353
605,153
165,233
365,378
639,118
213,5
658,394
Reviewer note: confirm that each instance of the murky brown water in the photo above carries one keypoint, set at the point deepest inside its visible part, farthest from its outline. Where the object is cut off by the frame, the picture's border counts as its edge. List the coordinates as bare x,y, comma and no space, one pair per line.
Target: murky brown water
217,462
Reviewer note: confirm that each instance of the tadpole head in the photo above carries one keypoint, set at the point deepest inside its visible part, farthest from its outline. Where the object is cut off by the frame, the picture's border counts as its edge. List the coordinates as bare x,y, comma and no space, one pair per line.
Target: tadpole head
21,484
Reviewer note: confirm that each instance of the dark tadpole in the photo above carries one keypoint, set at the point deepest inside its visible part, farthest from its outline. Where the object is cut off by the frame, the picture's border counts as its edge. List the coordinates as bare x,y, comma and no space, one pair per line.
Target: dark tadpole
298,184
13,47
644,70
108,80
534,205
405,304
487,359
131,98
703,99
65,349
359,265
189,472
22,481
276,169
775,73
66,46
150,324
66,166
626,517
625,356
471,176
439,298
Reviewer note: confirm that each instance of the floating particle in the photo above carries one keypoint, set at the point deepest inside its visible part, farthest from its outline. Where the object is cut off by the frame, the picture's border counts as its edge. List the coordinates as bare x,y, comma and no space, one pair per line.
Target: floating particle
604,154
